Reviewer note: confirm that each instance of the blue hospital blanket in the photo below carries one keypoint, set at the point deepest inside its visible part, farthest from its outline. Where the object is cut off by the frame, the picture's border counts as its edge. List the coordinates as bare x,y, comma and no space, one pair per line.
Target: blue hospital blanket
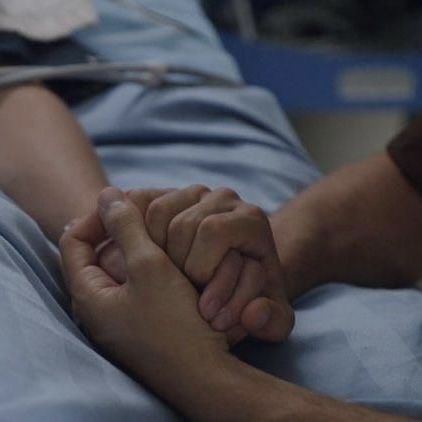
356,344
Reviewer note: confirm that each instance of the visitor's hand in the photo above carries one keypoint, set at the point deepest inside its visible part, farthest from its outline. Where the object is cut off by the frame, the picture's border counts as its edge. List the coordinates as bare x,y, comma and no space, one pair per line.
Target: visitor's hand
225,247
150,324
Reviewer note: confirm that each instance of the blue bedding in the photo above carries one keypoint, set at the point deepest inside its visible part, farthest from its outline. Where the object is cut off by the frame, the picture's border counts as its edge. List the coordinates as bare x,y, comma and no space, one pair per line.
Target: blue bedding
356,344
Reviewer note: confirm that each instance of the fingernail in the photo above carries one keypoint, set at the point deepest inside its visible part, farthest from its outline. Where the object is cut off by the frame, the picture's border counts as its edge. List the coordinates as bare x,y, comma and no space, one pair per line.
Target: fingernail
262,319
211,309
223,321
71,224
110,197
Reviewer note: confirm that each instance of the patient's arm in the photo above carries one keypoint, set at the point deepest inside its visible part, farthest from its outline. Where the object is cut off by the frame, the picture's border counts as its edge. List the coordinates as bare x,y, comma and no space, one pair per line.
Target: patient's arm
360,225
49,168
47,165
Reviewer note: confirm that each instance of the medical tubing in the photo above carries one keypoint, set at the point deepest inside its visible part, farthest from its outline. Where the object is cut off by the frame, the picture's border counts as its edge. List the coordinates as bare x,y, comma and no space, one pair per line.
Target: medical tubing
150,75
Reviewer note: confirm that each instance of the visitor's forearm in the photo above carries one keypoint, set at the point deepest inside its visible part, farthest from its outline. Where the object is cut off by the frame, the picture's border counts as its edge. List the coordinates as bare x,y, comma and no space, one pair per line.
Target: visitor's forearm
228,390
47,165
362,224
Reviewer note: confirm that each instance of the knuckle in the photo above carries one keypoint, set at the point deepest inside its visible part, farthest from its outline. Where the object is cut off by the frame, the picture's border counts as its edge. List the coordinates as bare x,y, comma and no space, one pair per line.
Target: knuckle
227,193
141,198
157,209
254,211
177,227
211,226
185,220
199,190
137,194
156,221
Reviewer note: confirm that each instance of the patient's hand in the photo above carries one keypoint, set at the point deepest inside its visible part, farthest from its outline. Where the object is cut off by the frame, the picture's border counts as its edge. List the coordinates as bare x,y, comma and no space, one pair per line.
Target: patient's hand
225,246
150,324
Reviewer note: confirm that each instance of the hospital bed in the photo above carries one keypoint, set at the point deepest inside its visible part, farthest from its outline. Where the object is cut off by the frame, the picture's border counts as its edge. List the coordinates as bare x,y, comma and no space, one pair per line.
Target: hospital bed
355,344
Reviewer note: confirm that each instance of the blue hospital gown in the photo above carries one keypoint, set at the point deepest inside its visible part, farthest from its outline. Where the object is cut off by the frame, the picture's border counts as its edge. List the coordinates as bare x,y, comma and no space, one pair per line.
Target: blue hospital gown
356,344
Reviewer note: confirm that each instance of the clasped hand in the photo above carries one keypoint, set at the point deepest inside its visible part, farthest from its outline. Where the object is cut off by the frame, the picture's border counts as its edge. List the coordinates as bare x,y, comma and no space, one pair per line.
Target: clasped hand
199,272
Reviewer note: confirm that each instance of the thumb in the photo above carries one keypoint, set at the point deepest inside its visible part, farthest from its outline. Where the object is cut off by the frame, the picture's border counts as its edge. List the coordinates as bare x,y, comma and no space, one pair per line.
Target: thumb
125,225
268,320
112,262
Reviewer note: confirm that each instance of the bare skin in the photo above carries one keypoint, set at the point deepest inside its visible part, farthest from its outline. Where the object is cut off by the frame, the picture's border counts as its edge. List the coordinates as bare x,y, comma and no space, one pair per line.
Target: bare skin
225,247
47,165
360,225
152,327
49,168
69,161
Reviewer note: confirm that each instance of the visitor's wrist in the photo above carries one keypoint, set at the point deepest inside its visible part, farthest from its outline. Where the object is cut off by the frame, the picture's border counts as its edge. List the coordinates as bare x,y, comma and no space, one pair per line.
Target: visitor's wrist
360,225
303,247
222,389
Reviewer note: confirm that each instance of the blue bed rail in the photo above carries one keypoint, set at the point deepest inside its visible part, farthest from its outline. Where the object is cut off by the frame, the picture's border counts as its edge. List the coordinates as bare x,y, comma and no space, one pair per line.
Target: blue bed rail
306,80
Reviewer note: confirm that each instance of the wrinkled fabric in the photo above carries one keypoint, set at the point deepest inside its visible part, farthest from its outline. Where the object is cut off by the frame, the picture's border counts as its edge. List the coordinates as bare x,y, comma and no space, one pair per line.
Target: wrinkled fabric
50,371
356,344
